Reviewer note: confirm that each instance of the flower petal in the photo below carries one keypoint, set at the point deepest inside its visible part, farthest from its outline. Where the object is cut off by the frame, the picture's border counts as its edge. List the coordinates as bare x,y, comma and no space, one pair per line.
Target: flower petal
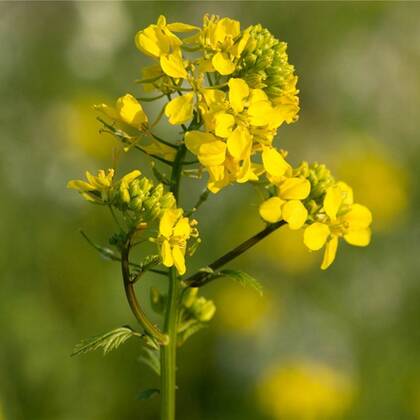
239,143
180,109
179,259
359,217
270,210
332,201
238,92
168,220
316,235
213,153
194,139
183,228
166,254
274,163
173,65
360,237
294,188
329,253
223,64
295,214
131,111
224,124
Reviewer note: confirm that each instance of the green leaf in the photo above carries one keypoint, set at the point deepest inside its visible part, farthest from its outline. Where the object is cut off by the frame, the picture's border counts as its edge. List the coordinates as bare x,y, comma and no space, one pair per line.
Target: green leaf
147,394
151,358
108,342
244,279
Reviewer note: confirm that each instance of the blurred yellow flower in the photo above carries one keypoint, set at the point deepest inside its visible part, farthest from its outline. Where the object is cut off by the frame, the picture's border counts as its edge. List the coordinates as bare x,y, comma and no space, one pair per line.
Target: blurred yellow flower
380,183
305,390
76,125
241,309
285,249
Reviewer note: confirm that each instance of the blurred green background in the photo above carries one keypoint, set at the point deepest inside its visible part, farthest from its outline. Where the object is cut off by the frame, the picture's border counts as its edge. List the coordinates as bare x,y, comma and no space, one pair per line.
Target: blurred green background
341,344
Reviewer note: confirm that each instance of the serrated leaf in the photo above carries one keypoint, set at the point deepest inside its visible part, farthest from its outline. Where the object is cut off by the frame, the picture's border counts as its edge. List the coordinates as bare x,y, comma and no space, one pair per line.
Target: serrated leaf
147,394
244,279
151,358
108,342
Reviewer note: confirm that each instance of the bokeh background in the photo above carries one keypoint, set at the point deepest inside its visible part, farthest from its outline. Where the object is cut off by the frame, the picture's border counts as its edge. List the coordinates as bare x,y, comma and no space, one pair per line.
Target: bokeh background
340,344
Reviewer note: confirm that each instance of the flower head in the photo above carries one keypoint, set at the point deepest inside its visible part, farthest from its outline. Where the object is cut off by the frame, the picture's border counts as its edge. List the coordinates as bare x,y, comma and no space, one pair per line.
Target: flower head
174,232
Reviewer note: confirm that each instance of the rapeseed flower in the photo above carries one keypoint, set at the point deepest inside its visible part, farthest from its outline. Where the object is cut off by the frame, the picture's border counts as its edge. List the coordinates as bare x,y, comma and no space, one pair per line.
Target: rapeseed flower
174,232
340,218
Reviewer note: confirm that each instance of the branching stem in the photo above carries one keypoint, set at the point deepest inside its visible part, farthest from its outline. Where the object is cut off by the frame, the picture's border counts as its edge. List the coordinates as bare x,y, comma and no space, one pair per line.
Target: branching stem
200,278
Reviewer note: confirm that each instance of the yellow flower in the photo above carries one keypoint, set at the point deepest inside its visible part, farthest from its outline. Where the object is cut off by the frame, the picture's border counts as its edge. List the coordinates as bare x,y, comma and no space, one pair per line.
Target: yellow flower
127,110
305,390
224,39
287,205
340,218
180,109
97,188
160,42
174,231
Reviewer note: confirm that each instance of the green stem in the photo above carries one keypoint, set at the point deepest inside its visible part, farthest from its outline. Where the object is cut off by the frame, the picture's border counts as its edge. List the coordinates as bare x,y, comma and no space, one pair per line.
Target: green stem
168,352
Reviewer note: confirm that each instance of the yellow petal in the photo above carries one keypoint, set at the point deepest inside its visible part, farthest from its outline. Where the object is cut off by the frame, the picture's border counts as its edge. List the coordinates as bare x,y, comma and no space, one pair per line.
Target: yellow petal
130,176
130,111
295,214
107,110
360,237
180,109
316,235
223,64
347,193
213,96
260,113
166,254
148,42
238,92
274,163
224,124
294,189
257,95
80,185
183,228
329,253
239,143
181,27
359,217
226,27
213,153
246,172
195,139
168,220
179,259
173,65
270,210
332,201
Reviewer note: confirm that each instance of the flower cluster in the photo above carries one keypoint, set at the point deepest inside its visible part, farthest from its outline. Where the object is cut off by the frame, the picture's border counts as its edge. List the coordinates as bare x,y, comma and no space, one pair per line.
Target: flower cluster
147,210
310,197
230,89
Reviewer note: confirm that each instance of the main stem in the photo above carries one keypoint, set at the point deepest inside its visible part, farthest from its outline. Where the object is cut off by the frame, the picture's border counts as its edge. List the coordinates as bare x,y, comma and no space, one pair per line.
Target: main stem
168,352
